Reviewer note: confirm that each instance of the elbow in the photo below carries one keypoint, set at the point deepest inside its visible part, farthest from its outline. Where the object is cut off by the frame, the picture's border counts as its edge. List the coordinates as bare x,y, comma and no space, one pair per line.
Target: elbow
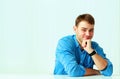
108,74
108,71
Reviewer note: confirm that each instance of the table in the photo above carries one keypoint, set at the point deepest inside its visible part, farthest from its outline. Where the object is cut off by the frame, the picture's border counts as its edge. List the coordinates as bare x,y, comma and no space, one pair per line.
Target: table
46,76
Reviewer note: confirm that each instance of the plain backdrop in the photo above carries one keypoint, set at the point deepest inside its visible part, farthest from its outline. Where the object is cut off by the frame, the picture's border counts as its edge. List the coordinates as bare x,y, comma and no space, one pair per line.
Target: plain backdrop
30,30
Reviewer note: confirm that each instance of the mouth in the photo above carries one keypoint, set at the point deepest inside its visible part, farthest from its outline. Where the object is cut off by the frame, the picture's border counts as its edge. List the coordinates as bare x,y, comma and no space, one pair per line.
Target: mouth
87,38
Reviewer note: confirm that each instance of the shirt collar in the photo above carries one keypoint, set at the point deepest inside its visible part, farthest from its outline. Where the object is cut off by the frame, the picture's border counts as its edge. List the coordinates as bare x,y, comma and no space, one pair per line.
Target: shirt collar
76,42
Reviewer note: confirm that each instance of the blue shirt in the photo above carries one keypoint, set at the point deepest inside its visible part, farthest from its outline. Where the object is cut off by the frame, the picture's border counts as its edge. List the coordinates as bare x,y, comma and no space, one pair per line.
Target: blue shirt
72,60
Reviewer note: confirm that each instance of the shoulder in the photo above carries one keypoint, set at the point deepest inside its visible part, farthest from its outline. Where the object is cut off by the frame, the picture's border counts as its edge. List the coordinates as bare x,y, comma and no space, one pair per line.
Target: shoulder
68,38
98,48
67,41
95,44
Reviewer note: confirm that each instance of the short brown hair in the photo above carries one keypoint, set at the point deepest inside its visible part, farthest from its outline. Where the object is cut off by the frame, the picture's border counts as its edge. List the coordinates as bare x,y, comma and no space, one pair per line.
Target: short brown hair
85,17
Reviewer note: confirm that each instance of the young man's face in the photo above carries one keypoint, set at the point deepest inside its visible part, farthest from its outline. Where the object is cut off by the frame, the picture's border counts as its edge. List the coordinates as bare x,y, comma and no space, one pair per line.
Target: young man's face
84,31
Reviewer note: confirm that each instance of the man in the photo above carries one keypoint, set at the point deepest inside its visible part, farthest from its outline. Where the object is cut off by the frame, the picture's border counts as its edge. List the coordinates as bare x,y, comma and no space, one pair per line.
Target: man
76,54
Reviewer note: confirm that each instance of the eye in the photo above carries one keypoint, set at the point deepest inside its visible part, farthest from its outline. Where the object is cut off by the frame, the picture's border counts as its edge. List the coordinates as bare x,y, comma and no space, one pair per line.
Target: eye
83,30
91,30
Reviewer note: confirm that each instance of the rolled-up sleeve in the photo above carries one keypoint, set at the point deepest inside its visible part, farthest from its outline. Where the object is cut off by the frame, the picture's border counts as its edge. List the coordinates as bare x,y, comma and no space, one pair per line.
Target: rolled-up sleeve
108,70
65,55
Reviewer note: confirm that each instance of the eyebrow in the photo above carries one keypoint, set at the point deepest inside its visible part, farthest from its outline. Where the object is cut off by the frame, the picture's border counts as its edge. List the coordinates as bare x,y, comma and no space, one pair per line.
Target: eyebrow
83,28
87,28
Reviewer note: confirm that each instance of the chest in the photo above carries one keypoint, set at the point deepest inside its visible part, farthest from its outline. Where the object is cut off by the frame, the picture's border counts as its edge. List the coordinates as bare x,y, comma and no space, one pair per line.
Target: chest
83,58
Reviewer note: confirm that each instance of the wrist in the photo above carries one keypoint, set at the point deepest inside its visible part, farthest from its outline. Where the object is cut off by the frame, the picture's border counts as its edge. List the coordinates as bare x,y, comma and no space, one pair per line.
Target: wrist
92,53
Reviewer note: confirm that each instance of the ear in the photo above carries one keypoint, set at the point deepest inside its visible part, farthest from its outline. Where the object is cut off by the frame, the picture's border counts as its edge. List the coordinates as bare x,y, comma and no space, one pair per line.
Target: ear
74,28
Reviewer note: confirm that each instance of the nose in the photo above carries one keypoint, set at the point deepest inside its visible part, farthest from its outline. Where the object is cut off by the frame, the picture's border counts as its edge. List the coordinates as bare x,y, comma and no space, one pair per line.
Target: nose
87,33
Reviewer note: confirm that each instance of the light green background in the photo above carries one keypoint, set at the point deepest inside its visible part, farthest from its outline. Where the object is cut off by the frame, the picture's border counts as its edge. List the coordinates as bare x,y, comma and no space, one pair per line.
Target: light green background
30,29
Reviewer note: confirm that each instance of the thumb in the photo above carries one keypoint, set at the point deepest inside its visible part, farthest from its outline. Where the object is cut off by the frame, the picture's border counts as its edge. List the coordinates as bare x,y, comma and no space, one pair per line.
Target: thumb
84,43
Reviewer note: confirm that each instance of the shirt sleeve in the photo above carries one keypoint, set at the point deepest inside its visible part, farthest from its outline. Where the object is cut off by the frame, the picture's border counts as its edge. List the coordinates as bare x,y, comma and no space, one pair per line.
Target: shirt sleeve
109,69
65,55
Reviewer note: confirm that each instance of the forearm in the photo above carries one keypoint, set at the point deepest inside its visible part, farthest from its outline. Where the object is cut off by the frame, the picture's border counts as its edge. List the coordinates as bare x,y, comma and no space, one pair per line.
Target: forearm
90,71
99,62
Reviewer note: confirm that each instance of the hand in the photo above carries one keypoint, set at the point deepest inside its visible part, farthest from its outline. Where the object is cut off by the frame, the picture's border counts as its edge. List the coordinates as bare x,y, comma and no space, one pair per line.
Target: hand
90,71
86,44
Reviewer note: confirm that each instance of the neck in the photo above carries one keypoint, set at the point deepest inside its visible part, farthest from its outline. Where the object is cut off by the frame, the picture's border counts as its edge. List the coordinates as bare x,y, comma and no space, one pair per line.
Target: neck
79,41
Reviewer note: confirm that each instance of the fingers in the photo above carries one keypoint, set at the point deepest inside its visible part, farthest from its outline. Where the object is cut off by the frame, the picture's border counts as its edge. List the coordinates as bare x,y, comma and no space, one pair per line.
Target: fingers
89,43
86,43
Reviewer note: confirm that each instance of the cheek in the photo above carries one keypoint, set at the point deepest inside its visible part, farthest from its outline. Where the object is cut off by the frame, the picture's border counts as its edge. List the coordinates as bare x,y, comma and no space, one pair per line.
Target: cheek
81,34
91,34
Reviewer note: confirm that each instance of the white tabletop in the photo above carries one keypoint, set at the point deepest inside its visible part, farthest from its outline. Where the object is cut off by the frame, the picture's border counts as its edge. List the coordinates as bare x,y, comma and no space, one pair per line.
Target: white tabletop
38,76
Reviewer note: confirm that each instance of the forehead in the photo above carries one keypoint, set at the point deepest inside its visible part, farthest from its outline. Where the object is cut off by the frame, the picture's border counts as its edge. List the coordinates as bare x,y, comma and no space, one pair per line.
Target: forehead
85,24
